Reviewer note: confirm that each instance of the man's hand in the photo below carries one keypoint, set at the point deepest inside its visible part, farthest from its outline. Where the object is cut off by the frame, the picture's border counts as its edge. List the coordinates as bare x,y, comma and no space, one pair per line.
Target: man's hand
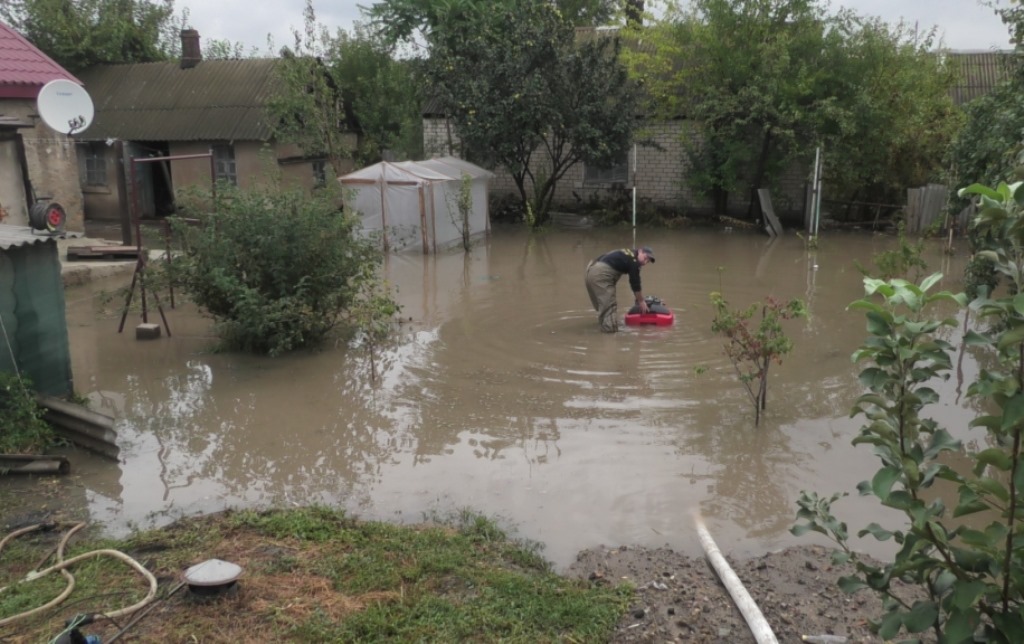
642,304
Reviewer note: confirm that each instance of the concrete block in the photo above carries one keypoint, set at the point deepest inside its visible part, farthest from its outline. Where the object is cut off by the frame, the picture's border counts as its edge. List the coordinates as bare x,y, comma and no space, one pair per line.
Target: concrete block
147,332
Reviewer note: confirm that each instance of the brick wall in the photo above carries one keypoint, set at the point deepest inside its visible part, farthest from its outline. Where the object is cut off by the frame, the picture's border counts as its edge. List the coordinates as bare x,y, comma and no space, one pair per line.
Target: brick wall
52,164
660,172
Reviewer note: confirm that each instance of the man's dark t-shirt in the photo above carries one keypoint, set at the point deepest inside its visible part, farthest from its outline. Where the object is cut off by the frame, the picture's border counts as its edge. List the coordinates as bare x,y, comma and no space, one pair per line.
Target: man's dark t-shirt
624,261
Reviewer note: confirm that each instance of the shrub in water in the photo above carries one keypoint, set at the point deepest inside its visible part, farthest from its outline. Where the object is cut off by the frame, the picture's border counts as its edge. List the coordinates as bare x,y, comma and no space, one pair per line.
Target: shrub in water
276,268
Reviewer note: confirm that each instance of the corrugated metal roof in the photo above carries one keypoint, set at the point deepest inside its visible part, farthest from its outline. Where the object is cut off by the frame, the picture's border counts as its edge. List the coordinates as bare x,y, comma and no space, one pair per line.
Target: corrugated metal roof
22,64
978,72
215,100
15,236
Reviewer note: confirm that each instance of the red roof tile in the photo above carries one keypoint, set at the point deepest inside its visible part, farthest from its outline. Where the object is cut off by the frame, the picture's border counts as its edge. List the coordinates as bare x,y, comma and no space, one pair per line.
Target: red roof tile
23,68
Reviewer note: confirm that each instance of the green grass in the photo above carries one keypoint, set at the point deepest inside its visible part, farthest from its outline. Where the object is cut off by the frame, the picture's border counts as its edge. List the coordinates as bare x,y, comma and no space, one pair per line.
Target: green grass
314,574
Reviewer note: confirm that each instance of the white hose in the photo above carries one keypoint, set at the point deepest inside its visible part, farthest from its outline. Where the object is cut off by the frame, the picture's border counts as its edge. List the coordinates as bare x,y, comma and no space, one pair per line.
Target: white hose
67,575
117,555
62,564
755,619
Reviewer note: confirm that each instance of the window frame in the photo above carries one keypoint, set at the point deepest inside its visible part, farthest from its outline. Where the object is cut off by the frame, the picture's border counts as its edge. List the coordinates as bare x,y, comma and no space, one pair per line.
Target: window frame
225,167
94,164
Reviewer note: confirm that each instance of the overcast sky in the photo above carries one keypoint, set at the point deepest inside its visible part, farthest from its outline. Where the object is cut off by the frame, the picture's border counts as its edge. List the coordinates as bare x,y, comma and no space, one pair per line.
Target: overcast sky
963,24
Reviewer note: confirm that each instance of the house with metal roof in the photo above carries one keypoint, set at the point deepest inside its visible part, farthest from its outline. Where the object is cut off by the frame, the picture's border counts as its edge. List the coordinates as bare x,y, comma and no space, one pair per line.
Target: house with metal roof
187,108
37,163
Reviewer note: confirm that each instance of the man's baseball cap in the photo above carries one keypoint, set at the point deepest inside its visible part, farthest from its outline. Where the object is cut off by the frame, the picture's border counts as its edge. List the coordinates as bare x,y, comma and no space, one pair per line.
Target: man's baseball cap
650,253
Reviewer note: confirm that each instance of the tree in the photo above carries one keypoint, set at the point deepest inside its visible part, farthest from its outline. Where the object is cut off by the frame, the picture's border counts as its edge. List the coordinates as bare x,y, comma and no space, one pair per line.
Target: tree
384,95
336,85
80,33
309,109
753,350
768,80
405,20
524,93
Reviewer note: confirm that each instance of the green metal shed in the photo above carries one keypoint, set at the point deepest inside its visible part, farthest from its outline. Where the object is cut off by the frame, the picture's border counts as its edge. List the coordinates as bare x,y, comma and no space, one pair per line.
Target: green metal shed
33,327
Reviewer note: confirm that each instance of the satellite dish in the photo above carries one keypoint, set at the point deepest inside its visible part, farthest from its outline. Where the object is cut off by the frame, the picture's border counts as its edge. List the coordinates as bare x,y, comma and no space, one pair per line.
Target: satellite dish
65,106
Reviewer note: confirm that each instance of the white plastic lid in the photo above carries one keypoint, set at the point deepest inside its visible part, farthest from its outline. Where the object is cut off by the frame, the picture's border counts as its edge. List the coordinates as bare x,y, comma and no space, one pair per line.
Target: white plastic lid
213,572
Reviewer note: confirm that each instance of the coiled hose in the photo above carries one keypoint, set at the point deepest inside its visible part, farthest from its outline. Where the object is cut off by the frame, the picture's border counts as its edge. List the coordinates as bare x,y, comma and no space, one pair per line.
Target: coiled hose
63,564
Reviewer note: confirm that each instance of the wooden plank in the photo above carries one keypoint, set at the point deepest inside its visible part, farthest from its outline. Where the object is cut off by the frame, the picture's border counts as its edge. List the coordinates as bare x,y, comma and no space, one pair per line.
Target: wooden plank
75,253
772,223
913,207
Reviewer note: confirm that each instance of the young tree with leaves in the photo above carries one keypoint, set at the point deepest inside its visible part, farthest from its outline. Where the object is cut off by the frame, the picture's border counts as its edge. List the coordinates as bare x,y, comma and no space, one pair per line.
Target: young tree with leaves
334,85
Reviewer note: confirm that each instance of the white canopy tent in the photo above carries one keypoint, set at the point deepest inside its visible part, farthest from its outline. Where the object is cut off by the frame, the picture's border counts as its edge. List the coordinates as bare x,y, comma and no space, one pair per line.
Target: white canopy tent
414,204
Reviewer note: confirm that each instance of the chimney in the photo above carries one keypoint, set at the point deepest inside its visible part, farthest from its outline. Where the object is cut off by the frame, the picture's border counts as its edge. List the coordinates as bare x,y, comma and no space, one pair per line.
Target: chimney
191,53
635,13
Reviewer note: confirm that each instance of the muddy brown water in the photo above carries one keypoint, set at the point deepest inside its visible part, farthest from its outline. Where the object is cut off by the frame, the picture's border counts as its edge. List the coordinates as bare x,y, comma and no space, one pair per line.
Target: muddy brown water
500,395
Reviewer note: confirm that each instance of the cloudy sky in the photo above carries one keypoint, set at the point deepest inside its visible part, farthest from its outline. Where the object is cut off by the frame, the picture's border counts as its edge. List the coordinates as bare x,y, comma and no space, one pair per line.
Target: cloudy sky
963,24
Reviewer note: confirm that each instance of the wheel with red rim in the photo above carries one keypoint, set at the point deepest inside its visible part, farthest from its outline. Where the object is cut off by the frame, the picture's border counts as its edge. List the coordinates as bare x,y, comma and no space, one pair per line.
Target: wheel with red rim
48,216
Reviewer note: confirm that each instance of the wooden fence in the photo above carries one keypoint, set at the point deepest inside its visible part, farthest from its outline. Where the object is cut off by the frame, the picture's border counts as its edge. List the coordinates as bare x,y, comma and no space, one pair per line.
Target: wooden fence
924,206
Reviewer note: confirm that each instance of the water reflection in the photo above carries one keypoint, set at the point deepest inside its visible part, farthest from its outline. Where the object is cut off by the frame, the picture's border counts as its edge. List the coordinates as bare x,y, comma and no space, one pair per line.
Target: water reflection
501,394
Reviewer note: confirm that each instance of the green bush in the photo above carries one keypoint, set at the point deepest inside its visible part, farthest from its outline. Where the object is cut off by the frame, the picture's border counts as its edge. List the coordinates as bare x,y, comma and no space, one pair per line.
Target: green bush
276,268
22,429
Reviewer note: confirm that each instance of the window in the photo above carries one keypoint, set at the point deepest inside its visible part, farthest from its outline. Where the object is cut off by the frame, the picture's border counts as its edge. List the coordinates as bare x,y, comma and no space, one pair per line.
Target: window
94,163
319,173
224,163
618,173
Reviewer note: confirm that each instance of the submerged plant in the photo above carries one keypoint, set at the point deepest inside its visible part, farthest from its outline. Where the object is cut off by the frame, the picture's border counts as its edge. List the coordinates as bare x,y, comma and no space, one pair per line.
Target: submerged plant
753,350
899,262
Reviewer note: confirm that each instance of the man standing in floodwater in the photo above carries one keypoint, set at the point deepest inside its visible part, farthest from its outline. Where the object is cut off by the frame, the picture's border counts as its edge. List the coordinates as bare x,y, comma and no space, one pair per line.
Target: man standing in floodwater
603,274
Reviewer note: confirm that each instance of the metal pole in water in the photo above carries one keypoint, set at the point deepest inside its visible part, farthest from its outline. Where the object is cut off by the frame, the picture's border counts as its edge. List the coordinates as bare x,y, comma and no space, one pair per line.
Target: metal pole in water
817,200
634,185
814,193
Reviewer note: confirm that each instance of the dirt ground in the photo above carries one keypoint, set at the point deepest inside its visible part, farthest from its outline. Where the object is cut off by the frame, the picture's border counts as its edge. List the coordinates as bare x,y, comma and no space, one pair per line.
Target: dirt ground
680,599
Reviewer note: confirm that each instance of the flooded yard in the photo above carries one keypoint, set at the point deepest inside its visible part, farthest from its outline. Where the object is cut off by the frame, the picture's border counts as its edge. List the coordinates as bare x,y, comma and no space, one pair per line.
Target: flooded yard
500,394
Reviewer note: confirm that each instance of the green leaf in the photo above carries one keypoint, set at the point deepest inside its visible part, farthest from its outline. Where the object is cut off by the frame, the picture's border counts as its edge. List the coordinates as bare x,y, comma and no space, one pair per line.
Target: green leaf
883,481
978,189
1013,412
1010,625
922,615
865,305
890,624
873,378
850,585
966,593
941,442
877,531
879,323
960,626
800,529
930,281
973,338
993,487
996,457
969,503
1011,337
